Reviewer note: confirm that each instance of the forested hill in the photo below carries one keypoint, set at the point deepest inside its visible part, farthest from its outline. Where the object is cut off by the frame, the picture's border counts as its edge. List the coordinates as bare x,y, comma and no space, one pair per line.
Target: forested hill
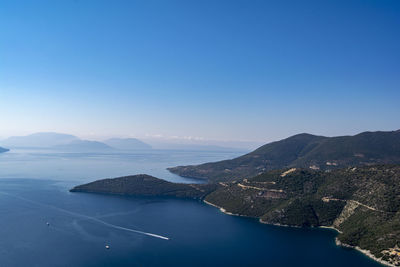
303,151
144,185
363,203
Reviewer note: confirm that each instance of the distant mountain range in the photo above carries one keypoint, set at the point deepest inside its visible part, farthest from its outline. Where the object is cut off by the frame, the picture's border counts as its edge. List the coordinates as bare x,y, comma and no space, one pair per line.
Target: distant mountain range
71,143
127,144
84,145
67,142
303,151
38,140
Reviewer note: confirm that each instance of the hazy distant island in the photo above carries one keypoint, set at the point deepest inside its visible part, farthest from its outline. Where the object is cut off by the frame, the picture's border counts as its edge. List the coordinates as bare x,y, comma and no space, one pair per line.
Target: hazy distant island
337,182
71,143
84,146
38,140
127,144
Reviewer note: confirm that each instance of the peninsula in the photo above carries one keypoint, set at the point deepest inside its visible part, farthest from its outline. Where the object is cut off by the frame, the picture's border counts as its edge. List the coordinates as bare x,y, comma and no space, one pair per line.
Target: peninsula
146,185
348,183
361,203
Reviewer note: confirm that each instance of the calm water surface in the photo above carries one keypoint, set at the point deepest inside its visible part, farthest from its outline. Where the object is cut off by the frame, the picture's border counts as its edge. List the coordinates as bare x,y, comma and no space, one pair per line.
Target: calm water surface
34,192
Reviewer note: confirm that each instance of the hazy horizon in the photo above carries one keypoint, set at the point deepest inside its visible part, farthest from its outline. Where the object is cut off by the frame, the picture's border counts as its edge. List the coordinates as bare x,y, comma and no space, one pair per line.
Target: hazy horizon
165,142
233,71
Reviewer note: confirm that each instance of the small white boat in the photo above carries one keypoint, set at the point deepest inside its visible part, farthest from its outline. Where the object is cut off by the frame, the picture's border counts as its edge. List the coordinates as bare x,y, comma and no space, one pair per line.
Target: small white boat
107,247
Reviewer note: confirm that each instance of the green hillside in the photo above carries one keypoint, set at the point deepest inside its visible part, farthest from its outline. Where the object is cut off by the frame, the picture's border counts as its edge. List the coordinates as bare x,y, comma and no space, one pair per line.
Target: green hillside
303,151
363,203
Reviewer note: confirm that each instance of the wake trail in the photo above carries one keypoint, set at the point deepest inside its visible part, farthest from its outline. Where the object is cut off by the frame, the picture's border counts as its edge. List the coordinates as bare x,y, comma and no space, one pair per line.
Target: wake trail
86,217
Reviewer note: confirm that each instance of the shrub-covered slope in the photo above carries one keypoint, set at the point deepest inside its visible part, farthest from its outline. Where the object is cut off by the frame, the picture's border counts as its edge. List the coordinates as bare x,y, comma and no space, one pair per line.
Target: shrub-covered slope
363,203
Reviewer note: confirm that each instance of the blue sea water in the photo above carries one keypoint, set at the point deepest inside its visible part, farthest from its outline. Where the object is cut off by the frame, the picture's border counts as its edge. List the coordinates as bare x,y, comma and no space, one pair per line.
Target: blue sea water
34,192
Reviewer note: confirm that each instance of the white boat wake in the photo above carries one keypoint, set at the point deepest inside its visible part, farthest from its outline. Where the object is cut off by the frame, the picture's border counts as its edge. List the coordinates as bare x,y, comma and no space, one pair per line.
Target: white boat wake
86,217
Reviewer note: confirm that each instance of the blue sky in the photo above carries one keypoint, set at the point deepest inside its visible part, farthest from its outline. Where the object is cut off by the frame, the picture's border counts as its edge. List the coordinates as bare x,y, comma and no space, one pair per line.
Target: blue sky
220,70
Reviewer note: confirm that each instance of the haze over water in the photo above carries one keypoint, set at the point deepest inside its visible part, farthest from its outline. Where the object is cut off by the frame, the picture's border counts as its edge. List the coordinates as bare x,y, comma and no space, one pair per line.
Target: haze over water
86,167
81,225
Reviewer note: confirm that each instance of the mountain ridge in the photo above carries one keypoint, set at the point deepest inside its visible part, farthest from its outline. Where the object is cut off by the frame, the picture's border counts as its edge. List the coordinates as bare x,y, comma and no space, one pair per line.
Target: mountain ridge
68,142
303,151
39,140
127,144
85,146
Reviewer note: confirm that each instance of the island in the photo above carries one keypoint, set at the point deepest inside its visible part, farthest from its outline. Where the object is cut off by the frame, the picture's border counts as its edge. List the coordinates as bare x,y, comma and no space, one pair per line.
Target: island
360,203
73,144
127,144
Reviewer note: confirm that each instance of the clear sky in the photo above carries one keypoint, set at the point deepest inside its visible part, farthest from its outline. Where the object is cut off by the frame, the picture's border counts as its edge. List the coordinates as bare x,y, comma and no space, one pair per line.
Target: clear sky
212,69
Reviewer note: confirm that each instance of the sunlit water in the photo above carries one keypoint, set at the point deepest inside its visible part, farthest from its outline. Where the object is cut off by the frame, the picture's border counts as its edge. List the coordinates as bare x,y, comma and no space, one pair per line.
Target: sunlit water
85,167
42,224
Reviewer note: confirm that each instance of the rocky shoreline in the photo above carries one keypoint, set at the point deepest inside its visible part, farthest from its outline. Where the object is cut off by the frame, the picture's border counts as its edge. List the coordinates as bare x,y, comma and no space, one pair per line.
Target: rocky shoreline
222,209
337,241
365,252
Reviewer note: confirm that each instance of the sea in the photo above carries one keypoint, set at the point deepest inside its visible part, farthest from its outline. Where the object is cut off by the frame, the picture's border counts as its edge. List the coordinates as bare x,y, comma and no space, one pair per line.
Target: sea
43,224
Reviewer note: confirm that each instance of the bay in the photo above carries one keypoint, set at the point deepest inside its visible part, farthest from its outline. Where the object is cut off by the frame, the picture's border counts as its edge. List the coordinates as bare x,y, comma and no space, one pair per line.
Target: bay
43,224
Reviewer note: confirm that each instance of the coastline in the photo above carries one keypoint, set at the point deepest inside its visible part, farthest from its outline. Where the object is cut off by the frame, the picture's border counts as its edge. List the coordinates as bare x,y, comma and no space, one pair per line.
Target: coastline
365,252
277,224
337,241
223,210
330,227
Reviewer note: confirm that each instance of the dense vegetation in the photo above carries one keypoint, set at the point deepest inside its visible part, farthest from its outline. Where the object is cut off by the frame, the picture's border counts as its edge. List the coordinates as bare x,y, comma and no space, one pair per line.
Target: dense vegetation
144,185
303,151
127,144
361,202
